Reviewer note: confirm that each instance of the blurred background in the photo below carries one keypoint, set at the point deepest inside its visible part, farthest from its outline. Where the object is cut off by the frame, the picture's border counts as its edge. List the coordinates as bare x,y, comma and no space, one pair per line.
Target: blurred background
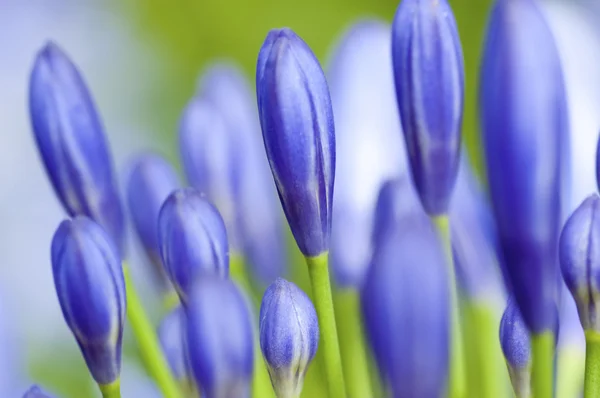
141,59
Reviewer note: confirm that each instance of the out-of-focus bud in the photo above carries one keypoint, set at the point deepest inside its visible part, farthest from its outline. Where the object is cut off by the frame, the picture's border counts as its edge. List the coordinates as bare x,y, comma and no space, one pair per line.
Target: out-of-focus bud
209,158
171,334
297,124
259,217
150,182
579,251
70,138
429,75
192,238
91,292
524,125
369,147
36,391
514,340
219,333
289,336
405,307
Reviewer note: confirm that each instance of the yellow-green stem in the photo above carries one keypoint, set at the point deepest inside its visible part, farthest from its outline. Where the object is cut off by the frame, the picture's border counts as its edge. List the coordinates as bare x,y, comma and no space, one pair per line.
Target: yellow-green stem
592,364
457,387
318,271
355,358
542,372
145,336
261,382
570,370
112,390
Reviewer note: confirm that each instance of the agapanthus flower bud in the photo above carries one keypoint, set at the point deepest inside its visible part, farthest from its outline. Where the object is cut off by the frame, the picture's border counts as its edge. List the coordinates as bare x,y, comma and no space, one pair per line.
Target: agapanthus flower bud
171,334
369,145
297,124
91,291
406,312
36,391
514,340
524,125
289,336
210,158
579,251
220,340
429,75
193,239
150,182
259,217
70,138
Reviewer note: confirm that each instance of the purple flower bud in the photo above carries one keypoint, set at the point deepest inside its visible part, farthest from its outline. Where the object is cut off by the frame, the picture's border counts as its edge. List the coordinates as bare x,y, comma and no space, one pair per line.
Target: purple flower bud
429,74
193,239
210,158
297,124
70,138
514,340
36,391
369,147
405,307
579,250
150,182
259,216
91,291
289,336
219,333
171,334
523,117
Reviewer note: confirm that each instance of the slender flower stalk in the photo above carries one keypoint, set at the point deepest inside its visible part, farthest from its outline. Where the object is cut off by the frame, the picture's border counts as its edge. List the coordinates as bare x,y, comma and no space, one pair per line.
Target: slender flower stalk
298,131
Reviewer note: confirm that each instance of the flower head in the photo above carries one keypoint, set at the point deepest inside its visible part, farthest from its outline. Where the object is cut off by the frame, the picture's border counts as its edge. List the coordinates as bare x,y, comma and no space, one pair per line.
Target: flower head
192,238
298,132
70,138
515,343
289,336
171,334
91,292
429,75
219,335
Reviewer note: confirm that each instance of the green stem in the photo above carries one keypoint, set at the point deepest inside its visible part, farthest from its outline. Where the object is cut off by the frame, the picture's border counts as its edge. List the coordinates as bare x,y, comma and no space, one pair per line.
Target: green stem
261,382
112,390
318,271
542,373
354,353
145,336
458,382
592,364
570,370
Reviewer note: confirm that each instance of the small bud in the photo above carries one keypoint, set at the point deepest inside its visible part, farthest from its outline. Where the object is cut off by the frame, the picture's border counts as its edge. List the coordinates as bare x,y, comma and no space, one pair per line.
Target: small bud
36,391
429,74
297,124
289,336
192,238
514,340
579,252
91,292
219,333
406,312
71,141
171,334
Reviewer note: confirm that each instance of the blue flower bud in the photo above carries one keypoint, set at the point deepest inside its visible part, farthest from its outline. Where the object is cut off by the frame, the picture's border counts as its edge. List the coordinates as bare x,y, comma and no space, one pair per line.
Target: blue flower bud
91,291
514,340
209,158
524,124
193,239
406,313
579,251
259,216
171,334
297,124
70,138
289,336
429,75
36,391
369,147
150,182
219,334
